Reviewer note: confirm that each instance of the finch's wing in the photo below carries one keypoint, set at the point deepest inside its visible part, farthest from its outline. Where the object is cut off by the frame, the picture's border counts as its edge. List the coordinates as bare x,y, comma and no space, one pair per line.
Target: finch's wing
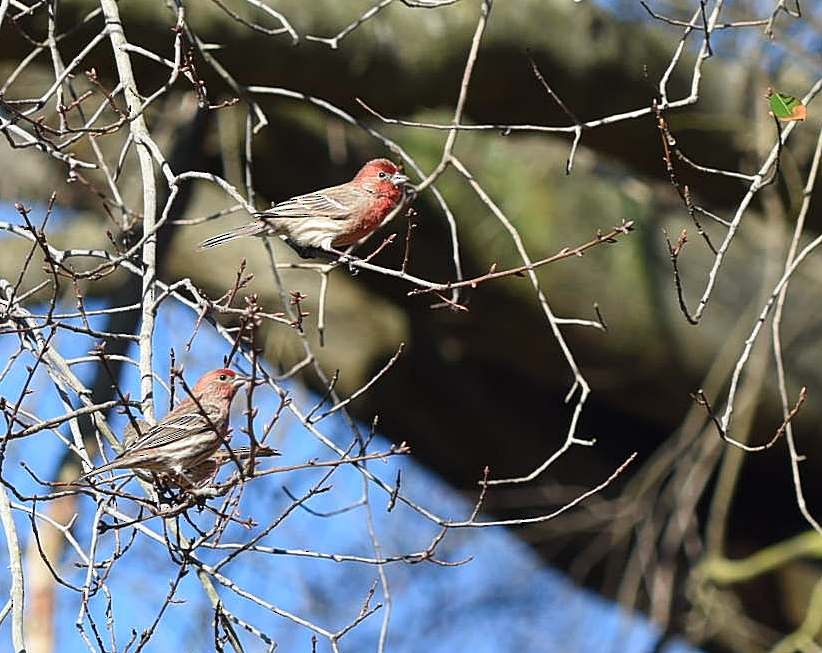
172,429
336,203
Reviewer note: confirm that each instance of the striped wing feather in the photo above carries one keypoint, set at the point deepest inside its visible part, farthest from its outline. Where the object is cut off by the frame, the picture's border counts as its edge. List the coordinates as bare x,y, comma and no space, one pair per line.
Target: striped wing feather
173,429
334,203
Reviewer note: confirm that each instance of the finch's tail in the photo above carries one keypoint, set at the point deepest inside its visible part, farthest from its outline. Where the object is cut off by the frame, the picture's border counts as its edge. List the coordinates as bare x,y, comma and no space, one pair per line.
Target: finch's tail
114,464
243,231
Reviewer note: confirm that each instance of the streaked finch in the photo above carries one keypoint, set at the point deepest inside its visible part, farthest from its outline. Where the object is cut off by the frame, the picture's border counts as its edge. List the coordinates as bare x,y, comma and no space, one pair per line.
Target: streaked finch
331,218
188,436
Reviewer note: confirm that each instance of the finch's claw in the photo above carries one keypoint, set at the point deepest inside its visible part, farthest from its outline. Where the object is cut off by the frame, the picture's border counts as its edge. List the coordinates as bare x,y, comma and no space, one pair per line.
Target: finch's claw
343,259
346,259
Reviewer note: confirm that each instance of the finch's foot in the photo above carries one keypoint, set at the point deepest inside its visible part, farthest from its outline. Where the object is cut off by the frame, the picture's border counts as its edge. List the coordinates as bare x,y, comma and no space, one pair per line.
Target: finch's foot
165,499
345,259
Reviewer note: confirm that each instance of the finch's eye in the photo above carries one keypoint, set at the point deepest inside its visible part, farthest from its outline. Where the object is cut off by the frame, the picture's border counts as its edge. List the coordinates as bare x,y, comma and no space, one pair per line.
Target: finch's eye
382,175
223,377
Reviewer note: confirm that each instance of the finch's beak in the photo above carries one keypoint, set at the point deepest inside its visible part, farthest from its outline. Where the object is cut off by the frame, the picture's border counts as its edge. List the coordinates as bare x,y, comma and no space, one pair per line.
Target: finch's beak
398,179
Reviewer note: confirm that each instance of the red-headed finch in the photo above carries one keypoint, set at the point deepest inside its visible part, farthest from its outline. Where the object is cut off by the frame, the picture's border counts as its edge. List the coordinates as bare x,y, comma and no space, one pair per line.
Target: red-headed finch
330,218
189,435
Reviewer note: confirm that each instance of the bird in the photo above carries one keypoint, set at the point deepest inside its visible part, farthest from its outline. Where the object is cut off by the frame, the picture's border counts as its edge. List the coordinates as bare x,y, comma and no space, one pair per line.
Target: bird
329,219
188,436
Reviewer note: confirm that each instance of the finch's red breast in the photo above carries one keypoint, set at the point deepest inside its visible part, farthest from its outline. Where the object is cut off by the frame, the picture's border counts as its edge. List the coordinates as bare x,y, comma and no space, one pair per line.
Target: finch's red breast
362,225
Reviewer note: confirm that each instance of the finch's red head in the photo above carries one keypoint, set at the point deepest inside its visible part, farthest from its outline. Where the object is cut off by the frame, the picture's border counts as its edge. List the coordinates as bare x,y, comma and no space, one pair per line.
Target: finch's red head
222,383
382,177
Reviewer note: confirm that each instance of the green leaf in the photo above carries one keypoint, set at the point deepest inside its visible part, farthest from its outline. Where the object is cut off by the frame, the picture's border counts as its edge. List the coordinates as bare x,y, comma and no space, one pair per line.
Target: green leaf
787,107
